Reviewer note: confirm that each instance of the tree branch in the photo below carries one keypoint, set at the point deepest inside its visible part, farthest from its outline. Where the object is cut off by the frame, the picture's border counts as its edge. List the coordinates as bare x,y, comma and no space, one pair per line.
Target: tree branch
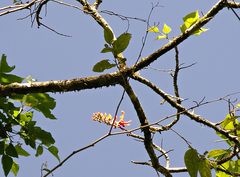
108,79
18,7
146,130
63,85
92,10
176,41
184,111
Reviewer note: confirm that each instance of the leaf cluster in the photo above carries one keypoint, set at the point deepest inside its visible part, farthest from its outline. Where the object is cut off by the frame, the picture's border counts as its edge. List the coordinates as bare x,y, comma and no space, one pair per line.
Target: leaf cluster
115,46
18,122
189,20
199,163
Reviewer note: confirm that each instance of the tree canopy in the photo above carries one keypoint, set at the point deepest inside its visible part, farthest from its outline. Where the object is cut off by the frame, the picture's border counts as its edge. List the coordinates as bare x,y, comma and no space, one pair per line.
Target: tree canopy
179,65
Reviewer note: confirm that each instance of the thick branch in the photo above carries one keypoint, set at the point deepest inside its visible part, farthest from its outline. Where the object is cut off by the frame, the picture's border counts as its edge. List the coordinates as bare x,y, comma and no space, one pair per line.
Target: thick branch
147,134
63,85
108,79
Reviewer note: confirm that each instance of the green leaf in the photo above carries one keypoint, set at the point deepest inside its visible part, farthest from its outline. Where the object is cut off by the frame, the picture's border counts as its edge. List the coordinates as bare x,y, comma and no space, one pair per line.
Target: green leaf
204,168
41,102
160,37
17,97
166,29
191,162
47,170
4,68
153,29
31,100
21,151
11,151
216,152
39,151
106,49
2,143
121,43
30,135
3,103
191,18
45,110
54,152
44,136
15,168
7,163
30,141
27,116
102,65
108,36
9,78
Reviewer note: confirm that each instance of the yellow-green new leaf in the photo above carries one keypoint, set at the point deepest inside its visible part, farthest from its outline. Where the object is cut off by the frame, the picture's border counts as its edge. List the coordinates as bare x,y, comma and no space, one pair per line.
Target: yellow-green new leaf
153,29
237,106
166,29
183,28
160,37
217,152
15,168
199,31
191,18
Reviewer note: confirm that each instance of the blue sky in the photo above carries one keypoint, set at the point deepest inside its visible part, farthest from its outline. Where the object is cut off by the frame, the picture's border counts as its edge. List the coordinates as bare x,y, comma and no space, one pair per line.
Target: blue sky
47,56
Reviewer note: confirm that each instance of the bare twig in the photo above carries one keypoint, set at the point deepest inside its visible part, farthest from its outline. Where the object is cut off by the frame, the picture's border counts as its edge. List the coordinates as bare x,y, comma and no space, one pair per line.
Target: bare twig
70,5
230,6
54,30
188,66
117,111
18,7
74,152
146,33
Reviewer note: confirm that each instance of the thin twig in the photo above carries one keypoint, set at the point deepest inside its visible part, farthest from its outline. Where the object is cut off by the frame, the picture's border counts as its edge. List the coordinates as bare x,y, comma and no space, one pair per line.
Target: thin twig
116,112
18,7
146,33
74,152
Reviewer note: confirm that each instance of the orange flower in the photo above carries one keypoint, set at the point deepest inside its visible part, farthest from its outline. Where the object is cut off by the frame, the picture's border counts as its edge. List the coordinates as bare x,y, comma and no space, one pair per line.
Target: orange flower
121,122
97,116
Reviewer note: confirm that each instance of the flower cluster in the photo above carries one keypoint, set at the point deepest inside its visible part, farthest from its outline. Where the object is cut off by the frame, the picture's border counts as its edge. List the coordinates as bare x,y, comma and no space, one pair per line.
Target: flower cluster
100,117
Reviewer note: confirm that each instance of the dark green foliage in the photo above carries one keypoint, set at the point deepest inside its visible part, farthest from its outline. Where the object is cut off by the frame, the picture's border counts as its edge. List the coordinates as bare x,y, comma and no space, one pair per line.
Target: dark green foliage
15,122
